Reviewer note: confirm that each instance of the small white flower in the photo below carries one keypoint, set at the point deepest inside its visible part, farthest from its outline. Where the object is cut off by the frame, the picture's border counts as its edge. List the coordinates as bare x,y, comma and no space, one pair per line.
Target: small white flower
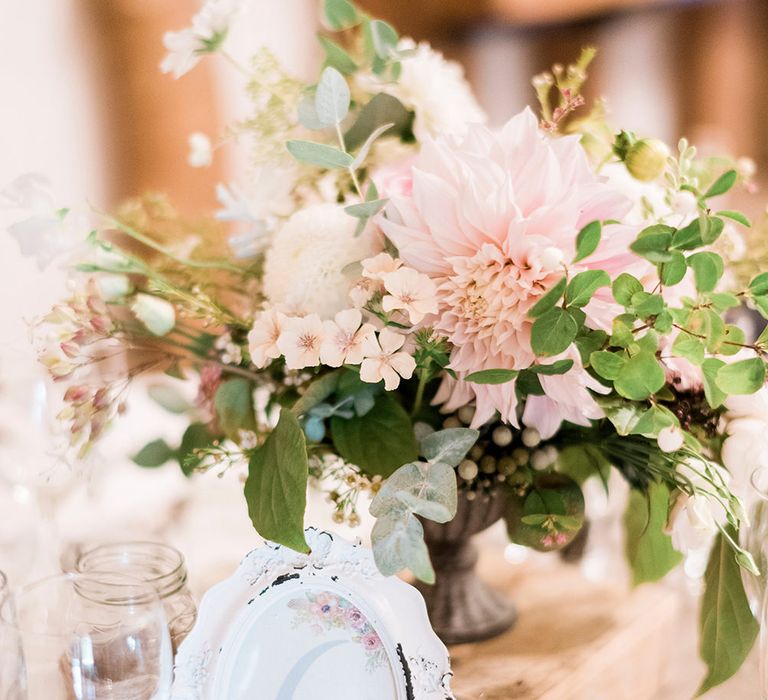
300,341
345,339
383,361
208,31
684,203
114,286
157,314
200,150
410,291
262,338
43,232
670,439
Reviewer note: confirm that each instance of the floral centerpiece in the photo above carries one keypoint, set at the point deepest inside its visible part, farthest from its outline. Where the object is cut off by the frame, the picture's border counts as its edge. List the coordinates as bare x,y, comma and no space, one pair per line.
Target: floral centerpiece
420,308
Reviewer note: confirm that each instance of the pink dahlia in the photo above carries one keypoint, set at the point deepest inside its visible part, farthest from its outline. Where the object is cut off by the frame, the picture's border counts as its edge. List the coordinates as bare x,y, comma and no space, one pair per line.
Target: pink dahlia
492,218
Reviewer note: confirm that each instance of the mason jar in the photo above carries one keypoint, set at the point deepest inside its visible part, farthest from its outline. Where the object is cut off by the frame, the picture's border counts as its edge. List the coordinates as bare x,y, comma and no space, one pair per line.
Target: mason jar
158,564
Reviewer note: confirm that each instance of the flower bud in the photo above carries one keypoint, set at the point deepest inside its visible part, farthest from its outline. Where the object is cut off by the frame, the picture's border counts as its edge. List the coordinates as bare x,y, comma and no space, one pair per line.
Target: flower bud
646,159
502,436
468,470
155,313
530,437
670,439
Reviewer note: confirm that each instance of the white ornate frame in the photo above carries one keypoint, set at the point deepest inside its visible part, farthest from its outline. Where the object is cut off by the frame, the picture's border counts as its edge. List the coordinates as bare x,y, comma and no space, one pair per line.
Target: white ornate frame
418,658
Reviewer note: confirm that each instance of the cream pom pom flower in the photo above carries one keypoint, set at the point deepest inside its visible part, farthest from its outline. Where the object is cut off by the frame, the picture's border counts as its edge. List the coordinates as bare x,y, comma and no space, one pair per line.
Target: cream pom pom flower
434,88
384,361
345,339
300,341
308,267
492,219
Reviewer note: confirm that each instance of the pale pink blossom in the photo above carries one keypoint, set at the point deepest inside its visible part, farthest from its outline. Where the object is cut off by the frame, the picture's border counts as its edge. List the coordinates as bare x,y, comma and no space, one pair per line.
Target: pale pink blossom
379,265
300,341
409,291
262,339
344,339
492,219
383,361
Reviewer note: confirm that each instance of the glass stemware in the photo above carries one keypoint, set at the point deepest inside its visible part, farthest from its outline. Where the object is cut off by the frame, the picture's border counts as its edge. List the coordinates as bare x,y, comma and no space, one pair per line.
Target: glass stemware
91,637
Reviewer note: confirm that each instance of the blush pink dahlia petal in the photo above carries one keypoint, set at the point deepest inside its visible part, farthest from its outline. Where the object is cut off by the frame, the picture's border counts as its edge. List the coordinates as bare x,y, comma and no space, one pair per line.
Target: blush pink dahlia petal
493,218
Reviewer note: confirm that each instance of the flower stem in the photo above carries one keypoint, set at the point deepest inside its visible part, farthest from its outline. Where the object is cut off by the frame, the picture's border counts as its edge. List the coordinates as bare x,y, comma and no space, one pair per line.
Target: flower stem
419,398
234,62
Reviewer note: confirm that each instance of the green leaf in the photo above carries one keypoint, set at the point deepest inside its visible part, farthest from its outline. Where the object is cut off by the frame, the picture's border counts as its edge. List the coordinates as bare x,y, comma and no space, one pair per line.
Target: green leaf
722,184
557,367
332,97
742,377
234,406
548,300
276,487
607,364
663,322
707,268
384,38
366,209
363,152
588,240
649,550
689,347
759,285
492,376
731,340
368,441
382,109
722,301
428,490
553,332
653,242
710,367
673,271
711,232
336,56
640,377
583,461
653,421
341,14
318,154
197,436
735,216
699,232
169,398
583,285
624,287
645,304
728,628
449,446
154,454
589,341
317,392
397,540
624,415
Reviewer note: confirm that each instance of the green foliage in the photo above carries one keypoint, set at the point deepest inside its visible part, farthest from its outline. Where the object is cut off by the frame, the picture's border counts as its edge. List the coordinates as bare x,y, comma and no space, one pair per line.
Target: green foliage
673,271
712,392
197,436
587,240
707,268
234,406
549,299
728,628
169,398
318,154
557,367
721,185
607,364
341,14
154,454
378,442
553,332
382,109
317,392
583,285
653,243
624,287
649,550
742,377
448,446
582,461
337,57
639,377
276,487
735,216
492,376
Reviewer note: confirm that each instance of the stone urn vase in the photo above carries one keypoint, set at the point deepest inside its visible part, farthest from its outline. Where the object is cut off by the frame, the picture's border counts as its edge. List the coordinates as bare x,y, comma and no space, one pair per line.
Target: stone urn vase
462,607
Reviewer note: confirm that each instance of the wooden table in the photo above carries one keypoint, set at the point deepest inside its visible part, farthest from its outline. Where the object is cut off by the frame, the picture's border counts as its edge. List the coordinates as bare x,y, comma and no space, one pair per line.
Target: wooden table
574,640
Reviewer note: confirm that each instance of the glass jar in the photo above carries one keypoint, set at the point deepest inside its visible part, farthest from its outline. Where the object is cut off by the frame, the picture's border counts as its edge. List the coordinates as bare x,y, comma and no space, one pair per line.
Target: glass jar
157,564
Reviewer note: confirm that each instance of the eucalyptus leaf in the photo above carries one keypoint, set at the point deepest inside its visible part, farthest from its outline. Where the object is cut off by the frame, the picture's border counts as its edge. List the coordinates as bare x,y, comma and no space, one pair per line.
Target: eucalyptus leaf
276,487
318,154
365,210
728,628
381,109
336,56
397,541
449,446
332,97
384,38
308,114
341,14
363,152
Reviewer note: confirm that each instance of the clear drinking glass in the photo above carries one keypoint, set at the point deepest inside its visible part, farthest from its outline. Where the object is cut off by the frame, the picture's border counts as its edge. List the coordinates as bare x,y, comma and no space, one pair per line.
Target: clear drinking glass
89,637
158,564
